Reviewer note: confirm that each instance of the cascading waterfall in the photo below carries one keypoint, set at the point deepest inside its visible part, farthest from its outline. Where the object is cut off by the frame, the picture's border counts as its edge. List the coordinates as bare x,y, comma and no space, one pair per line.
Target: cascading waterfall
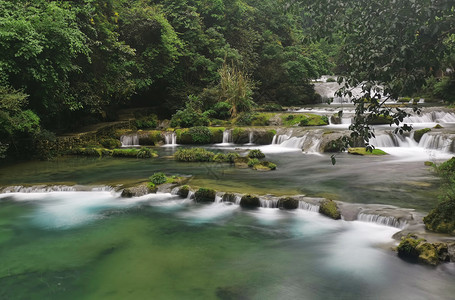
431,117
268,203
382,220
227,137
250,138
170,138
130,140
307,206
440,142
309,142
54,188
238,199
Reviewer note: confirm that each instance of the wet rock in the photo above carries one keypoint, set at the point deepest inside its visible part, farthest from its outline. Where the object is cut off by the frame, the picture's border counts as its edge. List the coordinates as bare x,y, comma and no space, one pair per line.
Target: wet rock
288,203
183,191
330,209
137,191
205,195
249,201
229,197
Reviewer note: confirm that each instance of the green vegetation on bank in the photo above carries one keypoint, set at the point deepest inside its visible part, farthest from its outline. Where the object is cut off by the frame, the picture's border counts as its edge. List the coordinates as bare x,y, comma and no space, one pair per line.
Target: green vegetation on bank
442,217
364,151
143,152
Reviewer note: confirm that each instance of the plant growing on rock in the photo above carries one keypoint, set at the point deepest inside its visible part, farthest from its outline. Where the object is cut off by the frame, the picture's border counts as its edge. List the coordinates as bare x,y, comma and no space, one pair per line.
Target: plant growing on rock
256,153
158,178
194,155
205,195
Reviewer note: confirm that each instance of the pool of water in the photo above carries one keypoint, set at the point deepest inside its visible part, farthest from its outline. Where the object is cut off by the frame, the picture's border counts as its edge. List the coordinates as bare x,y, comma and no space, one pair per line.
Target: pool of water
96,245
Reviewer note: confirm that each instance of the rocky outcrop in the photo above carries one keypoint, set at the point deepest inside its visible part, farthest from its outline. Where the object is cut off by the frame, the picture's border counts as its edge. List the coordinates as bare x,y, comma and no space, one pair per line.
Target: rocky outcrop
330,209
249,201
415,249
205,195
288,203
137,191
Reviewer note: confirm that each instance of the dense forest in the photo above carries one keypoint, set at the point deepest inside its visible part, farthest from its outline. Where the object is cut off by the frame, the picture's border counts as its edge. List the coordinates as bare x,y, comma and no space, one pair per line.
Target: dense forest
65,64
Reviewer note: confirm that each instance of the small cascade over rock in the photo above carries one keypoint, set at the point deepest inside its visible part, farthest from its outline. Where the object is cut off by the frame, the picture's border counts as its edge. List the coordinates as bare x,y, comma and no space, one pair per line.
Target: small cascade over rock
250,138
269,203
308,206
382,220
170,138
129,140
308,141
442,142
431,117
436,141
227,137
54,188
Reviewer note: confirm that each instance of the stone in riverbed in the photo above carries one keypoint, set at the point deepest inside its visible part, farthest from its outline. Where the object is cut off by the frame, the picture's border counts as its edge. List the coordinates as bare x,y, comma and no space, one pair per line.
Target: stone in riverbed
183,191
288,203
249,201
330,209
205,195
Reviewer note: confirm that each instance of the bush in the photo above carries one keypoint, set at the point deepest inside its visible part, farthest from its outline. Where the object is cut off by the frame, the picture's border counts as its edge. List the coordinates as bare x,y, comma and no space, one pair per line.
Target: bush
158,178
231,156
194,155
271,107
252,162
145,153
260,120
245,118
256,153
222,110
150,121
330,79
200,135
137,153
110,143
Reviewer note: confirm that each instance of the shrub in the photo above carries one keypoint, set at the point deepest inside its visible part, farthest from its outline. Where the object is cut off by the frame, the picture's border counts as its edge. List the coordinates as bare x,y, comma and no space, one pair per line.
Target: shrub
220,157
145,153
158,178
222,110
231,156
252,162
260,120
110,143
200,135
304,122
194,155
271,107
150,121
330,79
256,153
245,118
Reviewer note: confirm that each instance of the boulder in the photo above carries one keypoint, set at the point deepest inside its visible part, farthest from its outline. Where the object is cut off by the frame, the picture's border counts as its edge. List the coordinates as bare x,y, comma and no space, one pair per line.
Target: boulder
249,201
137,191
288,203
205,195
229,197
183,191
330,209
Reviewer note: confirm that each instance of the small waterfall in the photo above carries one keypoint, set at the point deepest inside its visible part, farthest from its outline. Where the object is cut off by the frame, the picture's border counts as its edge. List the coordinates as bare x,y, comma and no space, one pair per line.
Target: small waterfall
307,206
175,191
54,188
190,195
250,138
309,142
269,203
218,199
440,142
382,220
238,198
130,140
227,137
431,117
170,138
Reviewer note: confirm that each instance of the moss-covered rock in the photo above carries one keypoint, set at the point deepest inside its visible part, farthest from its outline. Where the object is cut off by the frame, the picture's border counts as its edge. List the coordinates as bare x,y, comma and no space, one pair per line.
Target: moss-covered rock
217,134
264,137
288,203
419,133
138,191
263,165
429,163
363,151
194,155
442,218
205,195
415,249
241,162
380,120
437,126
427,254
249,201
183,191
240,136
255,153
151,137
443,251
330,209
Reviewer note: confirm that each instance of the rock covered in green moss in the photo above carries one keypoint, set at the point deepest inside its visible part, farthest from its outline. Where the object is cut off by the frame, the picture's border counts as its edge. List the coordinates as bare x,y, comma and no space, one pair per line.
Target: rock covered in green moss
137,191
288,203
183,191
442,218
256,153
330,209
264,166
229,197
419,133
415,249
205,195
363,151
241,162
249,201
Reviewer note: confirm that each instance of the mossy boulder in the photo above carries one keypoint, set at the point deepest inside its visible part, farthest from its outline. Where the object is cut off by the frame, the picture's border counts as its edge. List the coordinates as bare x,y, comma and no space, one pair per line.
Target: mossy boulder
264,166
380,120
429,163
256,153
330,209
442,218
205,195
138,191
216,134
363,151
437,126
288,203
264,137
249,201
419,133
151,138
183,191
336,145
240,136
415,249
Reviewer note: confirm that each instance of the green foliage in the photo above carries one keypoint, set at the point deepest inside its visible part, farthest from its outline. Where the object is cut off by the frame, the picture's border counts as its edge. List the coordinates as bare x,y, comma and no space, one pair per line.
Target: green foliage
271,107
136,153
252,162
222,110
158,178
191,115
200,135
304,120
255,153
147,122
145,153
194,155
245,119
330,79
365,151
110,143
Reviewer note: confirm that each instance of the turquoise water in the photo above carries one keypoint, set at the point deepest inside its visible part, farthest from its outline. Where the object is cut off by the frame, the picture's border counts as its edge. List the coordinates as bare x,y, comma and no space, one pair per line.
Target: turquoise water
95,245
381,180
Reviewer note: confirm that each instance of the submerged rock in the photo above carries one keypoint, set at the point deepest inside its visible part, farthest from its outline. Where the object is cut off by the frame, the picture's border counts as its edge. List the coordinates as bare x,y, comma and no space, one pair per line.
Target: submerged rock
330,209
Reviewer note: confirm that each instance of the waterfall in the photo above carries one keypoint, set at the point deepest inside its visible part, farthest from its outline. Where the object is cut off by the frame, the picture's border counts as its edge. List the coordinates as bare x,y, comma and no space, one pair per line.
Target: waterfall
218,199
308,142
269,203
190,195
250,138
238,199
382,220
54,188
175,191
307,206
130,140
227,137
428,141
170,138
431,117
